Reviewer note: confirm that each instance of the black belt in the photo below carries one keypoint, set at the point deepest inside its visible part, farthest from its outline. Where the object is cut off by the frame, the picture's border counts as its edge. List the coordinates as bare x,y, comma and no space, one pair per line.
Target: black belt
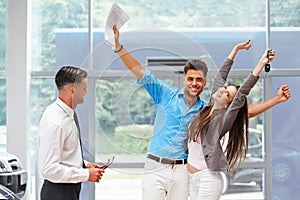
167,160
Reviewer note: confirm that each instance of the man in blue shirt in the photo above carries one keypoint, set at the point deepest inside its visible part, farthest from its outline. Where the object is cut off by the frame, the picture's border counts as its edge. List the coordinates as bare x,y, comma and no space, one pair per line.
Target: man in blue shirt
165,176
173,106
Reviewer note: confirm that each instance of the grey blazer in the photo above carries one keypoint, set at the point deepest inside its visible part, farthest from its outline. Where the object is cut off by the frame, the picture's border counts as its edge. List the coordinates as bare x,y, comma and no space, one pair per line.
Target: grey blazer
222,119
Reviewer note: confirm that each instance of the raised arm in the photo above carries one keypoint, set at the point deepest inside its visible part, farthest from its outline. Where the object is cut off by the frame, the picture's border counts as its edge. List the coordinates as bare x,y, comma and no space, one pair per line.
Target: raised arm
283,95
129,61
244,45
263,61
223,72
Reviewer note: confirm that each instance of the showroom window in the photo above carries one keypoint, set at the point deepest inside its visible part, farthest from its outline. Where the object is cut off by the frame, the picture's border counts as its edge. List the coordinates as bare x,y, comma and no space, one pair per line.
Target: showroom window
3,65
117,116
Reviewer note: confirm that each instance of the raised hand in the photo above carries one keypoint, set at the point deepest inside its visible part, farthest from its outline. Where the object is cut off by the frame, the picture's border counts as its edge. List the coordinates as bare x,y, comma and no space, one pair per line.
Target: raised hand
244,45
283,94
267,57
118,46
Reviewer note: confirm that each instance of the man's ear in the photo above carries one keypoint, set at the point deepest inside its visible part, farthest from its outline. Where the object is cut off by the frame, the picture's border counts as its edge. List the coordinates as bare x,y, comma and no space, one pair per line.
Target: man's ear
71,89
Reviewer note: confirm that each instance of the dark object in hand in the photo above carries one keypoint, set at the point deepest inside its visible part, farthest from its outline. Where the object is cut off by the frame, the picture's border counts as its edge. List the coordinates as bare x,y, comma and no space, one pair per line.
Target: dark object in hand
268,66
108,163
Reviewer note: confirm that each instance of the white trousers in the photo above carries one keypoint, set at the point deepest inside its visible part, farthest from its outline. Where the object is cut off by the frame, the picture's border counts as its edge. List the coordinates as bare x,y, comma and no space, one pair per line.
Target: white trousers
165,182
205,185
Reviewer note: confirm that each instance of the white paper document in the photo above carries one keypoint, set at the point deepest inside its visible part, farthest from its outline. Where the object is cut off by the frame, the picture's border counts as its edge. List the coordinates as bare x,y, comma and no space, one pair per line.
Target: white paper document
118,17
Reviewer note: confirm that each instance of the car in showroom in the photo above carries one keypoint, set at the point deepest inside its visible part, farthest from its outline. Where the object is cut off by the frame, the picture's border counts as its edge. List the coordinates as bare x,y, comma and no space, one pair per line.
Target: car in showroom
12,175
246,176
6,193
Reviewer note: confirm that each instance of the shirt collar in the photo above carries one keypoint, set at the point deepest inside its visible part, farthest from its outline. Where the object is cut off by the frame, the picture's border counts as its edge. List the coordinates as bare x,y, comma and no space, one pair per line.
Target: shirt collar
69,111
180,92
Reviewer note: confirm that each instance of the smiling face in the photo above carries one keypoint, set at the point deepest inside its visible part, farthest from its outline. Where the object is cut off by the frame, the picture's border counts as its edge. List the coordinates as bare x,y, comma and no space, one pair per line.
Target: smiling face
224,96
194,83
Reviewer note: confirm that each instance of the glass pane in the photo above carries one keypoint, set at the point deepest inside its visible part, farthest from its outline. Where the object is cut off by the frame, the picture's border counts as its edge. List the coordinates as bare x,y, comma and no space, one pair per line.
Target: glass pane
284,13
125,116
123,123
216,13
3,131
285,141
285,41
42,94
3,65
50,18
285,30
3,34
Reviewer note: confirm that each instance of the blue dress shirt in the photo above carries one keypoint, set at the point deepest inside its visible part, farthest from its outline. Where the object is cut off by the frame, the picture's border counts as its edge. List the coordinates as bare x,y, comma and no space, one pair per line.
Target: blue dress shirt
172,117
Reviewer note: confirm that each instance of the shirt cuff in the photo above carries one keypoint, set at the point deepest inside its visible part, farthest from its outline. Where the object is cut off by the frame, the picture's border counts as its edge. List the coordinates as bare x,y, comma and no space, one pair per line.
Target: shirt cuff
145,79
85,174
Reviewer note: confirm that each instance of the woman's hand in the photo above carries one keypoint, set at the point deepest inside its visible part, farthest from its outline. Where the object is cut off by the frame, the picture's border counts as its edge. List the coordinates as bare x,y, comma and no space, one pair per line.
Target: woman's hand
244,45
267,57
283,94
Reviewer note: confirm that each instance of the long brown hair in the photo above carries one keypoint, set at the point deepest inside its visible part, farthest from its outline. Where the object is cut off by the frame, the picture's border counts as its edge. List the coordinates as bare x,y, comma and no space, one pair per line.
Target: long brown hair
237,146
198,122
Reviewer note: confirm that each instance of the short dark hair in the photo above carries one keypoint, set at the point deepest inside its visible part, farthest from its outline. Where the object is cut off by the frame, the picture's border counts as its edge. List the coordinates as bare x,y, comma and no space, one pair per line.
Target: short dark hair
68,75
196,65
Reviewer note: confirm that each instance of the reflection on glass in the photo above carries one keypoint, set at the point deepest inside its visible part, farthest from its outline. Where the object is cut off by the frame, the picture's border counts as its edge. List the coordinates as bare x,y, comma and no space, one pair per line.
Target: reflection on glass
47,18
3,102
124,124
285,141
284,14
3,34
184,14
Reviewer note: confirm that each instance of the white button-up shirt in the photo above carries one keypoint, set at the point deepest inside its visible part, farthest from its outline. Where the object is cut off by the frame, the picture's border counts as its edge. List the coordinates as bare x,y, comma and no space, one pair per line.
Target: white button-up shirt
60,158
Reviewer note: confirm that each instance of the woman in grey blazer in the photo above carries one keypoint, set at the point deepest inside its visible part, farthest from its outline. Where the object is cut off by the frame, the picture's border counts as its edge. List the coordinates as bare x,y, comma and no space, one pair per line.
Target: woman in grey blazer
226,112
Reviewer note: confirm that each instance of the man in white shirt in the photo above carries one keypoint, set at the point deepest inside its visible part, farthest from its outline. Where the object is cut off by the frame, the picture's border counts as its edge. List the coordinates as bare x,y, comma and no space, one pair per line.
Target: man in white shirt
60,155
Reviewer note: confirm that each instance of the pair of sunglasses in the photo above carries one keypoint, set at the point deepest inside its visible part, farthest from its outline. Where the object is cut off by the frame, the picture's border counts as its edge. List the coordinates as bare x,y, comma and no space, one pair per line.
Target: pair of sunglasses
108,163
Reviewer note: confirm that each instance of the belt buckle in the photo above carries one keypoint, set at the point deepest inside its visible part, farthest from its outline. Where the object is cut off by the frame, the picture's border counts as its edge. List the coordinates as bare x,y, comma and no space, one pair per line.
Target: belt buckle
159,160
